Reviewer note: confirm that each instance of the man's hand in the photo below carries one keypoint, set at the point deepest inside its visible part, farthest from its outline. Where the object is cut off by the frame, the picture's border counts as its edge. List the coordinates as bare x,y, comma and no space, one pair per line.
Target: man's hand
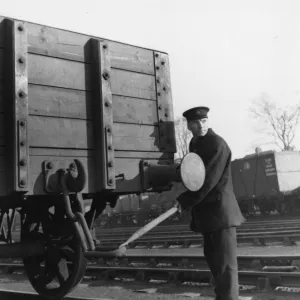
179,208
183,200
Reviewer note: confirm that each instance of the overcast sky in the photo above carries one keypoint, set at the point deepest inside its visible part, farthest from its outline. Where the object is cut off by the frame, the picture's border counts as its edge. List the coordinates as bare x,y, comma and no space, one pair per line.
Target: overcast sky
223,53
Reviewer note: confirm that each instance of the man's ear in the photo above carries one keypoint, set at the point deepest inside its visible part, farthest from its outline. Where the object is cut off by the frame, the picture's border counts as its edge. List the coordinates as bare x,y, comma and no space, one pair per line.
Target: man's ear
188,125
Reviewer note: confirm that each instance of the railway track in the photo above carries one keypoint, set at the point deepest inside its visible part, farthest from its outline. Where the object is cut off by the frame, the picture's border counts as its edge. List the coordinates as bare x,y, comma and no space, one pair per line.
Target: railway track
176,233
191,261
273,271
261,233
287,237
257,233
186,228
127,221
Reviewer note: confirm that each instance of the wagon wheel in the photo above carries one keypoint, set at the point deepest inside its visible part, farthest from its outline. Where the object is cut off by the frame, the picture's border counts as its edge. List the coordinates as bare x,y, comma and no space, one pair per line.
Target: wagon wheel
61,268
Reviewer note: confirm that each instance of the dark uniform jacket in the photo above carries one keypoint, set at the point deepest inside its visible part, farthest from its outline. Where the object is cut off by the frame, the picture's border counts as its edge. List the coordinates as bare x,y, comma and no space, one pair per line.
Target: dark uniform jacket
214,206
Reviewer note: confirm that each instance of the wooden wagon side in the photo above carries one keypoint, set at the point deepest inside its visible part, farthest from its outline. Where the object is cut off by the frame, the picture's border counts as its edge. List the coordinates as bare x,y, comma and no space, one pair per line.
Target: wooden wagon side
67,96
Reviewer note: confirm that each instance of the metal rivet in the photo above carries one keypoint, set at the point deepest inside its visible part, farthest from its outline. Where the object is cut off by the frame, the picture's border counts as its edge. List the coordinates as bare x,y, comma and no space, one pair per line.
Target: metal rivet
106,75
160,120
20,28
21,60
22,182
110,164
109,147
162,62
158,94
166,115
164,88
157,80
22,123
22,94
22,162
157,68
106,104
156,55
108,130
22,143
49,165
104,46
110,181
146,163
159,107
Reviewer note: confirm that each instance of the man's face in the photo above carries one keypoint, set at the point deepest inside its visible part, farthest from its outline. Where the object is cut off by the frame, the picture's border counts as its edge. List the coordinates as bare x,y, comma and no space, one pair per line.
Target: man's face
198,127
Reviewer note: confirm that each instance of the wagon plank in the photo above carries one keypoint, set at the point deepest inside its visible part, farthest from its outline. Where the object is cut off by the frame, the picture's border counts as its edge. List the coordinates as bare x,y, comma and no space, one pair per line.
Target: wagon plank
59,102
57,72
78,134
133,84
133,110
89,153
59,133
135,137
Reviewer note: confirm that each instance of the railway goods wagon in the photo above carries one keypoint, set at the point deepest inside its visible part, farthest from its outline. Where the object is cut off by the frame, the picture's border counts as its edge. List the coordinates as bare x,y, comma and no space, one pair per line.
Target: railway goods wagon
268,181
81,118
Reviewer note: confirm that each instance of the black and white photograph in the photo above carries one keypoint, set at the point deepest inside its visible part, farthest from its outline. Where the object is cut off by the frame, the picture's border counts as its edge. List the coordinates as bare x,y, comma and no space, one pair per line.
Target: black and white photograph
150,150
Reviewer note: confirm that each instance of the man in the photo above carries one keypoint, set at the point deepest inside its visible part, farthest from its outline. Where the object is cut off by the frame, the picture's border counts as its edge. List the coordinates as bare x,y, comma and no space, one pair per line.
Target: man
215,211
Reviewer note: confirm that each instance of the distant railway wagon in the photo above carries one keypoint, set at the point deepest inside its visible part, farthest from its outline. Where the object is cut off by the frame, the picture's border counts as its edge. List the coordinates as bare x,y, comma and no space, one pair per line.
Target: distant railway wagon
268,181
81,118
263,182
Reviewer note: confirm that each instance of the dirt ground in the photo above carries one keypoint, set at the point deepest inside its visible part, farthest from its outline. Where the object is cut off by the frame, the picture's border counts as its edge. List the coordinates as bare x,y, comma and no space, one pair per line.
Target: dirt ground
135,291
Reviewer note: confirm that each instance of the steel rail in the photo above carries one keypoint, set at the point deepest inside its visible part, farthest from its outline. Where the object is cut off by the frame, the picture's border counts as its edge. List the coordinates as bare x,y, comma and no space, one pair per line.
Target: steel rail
257,262
188,260
149,214
288,237
184,260
247,224
189,232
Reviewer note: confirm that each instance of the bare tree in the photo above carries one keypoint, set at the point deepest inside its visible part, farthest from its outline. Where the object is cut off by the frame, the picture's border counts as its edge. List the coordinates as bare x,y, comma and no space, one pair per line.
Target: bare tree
183,136
278,123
